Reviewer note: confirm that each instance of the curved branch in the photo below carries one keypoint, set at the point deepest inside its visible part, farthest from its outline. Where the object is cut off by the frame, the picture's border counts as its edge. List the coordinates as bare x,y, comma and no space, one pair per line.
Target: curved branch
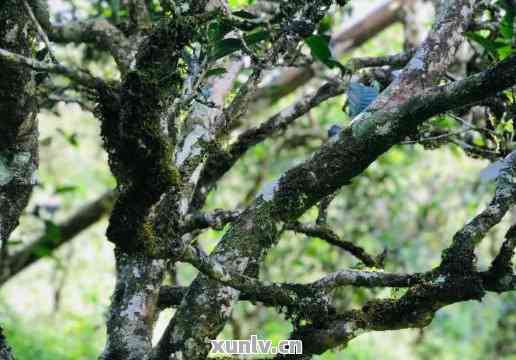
327,234
99,32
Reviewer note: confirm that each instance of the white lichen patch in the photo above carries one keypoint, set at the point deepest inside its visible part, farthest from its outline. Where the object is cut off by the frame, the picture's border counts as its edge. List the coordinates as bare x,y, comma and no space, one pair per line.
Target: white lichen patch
190,148
135,308
178,355
16,168
384,129
5,173
416,64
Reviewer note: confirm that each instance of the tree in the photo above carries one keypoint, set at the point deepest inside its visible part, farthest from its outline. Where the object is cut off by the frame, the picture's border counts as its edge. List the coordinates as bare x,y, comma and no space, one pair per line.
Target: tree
168,125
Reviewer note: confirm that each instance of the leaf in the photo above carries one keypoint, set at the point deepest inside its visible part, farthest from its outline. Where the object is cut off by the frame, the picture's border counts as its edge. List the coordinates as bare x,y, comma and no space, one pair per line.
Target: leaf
445,122
326,24
216,72
320,48
14,242
65,189
489,45
244,14
52,236
70,138
217,30
46,141
256,37
507,22
505,52
115,8
227,46
52,231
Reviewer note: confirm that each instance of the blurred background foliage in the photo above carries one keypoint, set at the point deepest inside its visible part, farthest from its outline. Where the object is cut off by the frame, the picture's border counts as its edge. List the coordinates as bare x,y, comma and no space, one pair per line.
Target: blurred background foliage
410,202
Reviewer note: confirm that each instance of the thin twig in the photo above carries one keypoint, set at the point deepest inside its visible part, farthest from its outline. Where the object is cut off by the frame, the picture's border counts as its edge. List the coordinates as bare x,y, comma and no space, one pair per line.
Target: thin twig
41,32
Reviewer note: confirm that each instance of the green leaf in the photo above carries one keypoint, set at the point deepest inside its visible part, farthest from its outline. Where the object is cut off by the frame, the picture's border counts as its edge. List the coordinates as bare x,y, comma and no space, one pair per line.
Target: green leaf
320,48
326,24
46,141
227,46
52,231
489,45
505,52
70,138
14,242
507,22
445,122
115,8
256,37
215,72
244,14
65,189
52,236
217,30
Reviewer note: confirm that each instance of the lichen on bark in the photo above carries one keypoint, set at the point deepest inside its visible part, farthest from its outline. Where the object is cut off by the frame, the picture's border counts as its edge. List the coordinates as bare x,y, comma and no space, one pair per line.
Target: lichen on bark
18,125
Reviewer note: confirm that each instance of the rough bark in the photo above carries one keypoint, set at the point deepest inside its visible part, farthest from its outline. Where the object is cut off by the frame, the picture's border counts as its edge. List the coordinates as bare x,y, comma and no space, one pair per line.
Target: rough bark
393,116
18,127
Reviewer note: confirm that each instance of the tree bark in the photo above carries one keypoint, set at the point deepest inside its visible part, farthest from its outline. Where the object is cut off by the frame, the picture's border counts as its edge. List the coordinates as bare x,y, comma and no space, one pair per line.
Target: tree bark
18,125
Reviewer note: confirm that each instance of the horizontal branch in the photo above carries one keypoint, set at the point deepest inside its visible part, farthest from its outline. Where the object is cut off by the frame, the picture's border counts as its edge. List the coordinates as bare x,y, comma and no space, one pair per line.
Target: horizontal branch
289,294
80,76
415,309
294,294
396,61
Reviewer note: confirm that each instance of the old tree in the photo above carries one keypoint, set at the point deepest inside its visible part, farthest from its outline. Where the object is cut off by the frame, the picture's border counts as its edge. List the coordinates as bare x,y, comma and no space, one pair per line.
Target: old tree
175,119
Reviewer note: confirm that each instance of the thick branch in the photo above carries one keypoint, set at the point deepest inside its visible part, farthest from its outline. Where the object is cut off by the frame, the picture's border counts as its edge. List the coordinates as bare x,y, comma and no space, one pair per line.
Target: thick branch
395,114
139,14
133,309
395,61
18,122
